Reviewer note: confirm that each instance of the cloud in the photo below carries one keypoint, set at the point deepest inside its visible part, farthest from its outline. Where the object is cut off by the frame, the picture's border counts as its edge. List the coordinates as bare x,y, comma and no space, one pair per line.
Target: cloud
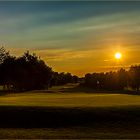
42,29
53,54
69,41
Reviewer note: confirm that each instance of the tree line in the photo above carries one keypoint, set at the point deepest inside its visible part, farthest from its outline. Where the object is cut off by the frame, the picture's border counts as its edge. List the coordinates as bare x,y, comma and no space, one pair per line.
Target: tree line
114,80
29,72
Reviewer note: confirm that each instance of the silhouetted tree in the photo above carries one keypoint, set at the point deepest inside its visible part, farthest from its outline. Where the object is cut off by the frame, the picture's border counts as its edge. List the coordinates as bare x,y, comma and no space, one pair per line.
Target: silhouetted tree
3,54
109,81
26,72
91,80
75,79
29,72
7,71
5,64
122,77
134,77
63,78
32,73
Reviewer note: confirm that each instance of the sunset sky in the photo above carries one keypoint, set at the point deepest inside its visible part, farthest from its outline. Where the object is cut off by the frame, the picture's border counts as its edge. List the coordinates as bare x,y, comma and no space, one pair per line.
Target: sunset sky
77,37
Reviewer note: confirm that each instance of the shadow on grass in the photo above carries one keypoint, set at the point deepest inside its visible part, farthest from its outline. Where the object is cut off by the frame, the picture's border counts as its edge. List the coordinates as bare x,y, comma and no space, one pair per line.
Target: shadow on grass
72,88
81,88
50,117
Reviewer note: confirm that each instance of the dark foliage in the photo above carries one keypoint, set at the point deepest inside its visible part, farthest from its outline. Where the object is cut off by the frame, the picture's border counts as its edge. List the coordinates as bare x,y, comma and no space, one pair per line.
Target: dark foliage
134,77
3,54
63,78
24,73
114,80
29,72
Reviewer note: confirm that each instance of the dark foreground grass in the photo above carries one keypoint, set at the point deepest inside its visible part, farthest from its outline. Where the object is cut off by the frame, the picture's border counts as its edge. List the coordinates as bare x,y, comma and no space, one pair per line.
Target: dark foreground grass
53,122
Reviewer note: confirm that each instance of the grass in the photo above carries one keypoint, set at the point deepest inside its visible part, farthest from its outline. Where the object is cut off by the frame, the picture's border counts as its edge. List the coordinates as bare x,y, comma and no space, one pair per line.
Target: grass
61,113
66,133
52,122
60,99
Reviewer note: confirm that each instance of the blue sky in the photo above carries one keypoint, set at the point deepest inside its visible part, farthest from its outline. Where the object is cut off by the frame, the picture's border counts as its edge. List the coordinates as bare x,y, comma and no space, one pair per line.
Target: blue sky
77,37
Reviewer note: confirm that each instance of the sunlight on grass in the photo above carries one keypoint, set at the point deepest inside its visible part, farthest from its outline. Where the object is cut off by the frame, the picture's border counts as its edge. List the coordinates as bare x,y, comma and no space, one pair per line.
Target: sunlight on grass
69,99
72,133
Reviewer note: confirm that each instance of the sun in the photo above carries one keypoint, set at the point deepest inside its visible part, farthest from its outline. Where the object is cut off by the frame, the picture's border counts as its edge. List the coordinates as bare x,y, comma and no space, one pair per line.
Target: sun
118,55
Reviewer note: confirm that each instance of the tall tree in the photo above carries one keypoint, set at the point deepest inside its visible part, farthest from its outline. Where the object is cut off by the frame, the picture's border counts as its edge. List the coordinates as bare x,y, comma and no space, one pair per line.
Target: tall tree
3,54
134,77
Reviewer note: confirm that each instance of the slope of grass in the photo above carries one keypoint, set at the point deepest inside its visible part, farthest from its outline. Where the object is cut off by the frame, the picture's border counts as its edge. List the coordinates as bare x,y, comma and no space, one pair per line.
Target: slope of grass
61,113
59,99
48,122
67,133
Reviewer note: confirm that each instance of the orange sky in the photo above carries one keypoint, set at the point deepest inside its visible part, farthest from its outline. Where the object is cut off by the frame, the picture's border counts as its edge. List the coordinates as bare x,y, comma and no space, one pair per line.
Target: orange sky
77,37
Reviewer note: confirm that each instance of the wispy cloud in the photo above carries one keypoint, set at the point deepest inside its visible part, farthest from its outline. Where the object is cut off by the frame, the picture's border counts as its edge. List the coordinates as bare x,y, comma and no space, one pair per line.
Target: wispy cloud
76,37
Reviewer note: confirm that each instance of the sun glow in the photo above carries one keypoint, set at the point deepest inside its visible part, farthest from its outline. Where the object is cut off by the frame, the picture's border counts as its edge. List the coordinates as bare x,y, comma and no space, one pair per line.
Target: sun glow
118,55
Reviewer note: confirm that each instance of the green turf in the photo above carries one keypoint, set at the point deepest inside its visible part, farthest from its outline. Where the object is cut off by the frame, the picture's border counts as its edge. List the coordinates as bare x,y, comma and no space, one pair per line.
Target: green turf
67,133
61,97
121,109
